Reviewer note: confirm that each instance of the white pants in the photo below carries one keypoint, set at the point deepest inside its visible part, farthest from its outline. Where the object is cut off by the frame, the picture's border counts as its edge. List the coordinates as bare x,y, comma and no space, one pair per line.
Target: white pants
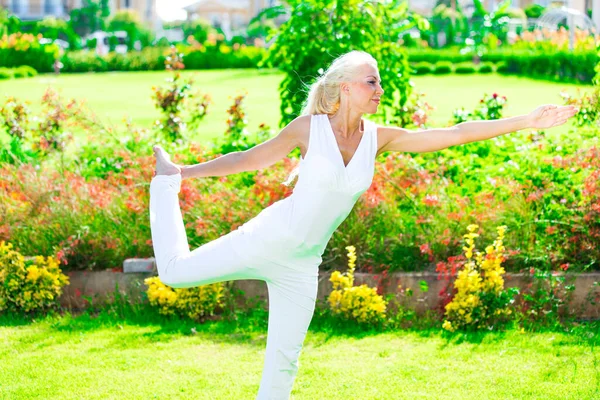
292,292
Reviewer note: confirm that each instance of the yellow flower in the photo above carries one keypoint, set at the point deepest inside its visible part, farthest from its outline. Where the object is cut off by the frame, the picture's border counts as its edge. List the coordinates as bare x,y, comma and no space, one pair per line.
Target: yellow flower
33,273
448,326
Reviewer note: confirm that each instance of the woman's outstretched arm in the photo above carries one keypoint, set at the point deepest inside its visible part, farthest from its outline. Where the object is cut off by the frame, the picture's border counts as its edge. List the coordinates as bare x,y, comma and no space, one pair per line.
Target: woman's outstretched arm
258,157
398,139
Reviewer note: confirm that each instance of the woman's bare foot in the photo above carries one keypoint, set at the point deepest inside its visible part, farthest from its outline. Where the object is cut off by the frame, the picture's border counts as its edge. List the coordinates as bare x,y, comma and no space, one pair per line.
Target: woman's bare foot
164,165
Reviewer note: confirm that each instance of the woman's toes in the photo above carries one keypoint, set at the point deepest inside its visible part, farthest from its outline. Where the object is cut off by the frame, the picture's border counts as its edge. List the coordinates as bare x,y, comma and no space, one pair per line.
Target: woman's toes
164,166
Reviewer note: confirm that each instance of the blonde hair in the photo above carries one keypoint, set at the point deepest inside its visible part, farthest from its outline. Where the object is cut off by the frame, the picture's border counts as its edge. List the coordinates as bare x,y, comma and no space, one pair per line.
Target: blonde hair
324,94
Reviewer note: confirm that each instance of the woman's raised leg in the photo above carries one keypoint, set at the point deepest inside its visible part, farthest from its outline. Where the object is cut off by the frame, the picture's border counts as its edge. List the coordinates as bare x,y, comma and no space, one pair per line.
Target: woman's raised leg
212,262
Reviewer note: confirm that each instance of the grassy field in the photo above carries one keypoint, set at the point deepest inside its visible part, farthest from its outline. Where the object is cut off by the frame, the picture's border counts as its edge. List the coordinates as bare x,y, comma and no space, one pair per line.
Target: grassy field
118,95
104,357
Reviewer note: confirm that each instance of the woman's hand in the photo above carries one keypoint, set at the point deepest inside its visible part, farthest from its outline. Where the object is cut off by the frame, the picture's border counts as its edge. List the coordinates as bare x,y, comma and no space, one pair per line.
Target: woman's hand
550,115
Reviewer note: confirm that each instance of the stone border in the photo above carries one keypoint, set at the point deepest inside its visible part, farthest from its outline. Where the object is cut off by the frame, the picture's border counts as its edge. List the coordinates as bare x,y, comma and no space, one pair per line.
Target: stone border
98,284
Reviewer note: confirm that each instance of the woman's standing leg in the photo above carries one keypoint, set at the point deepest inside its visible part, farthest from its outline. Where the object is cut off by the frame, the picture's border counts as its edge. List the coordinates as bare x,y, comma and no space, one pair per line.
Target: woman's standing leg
292,300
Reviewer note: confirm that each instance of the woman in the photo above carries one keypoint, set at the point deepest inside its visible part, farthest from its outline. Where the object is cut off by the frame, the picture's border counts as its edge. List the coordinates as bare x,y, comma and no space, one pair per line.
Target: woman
283,244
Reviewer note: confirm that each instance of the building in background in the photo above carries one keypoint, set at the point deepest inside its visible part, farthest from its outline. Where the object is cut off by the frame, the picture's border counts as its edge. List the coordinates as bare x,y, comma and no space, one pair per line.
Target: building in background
28,10
229,15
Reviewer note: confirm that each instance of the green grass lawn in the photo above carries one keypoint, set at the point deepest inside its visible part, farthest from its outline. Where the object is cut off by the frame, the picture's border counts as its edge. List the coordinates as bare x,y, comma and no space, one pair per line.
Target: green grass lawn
106,357
119,95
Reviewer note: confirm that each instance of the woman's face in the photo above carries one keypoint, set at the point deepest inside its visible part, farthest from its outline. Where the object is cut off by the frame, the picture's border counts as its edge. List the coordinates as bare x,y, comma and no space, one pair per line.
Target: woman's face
365,90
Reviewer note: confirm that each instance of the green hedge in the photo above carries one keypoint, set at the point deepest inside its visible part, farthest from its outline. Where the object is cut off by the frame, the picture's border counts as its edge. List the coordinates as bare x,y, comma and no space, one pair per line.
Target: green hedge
465,68
150,59
223,57
24,71
486,67
443,67
422,68
153,59
6,73
563,65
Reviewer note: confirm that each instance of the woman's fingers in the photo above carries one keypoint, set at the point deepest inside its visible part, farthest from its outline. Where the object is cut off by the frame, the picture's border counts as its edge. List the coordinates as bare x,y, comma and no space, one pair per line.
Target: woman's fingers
560,122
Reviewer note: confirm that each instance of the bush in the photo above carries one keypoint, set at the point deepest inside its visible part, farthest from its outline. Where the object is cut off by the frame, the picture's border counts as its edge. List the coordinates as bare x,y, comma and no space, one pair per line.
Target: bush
338,27
501,67
27,71
6,73
486,68
558,65
355,303
222,56
480,301
423,68
443,67
25,49
416,55
534,10
19,74
83,61
465,68
33,285
23,71
547,62
149,59
195,303
153,59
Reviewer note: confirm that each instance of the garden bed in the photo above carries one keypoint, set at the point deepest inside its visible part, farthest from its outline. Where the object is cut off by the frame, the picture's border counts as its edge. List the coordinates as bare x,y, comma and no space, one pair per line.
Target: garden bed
96,285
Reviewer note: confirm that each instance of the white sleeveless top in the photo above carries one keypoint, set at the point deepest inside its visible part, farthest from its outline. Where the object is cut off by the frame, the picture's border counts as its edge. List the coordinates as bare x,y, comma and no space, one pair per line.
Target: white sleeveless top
326,190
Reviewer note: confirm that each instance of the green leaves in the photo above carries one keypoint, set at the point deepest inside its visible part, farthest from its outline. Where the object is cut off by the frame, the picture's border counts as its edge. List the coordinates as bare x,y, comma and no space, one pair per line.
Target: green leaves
318,31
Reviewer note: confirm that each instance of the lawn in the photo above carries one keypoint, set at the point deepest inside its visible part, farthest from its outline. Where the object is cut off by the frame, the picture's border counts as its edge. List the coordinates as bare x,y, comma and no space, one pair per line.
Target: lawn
106,357
119,95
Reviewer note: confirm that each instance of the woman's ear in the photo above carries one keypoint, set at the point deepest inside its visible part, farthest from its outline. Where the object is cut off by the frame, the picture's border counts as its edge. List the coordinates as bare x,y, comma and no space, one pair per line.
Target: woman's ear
344,87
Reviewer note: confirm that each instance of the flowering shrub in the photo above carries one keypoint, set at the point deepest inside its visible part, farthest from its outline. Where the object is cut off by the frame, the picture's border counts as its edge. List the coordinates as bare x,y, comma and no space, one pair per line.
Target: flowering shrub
195,303
480,300
587,104
543,301
75,202
33,285
31,142
358,303
490,107
171,101
237,137
25,49
414,113
549,40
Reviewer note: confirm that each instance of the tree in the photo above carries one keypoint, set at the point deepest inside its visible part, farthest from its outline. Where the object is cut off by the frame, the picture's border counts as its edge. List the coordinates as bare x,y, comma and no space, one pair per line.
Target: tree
91,17
484,22
452,21
129,21
318,31
8,23
54,28
198,28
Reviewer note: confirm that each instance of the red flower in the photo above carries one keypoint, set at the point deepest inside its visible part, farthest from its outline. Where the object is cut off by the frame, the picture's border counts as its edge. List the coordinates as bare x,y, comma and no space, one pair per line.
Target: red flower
426,249
564,267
